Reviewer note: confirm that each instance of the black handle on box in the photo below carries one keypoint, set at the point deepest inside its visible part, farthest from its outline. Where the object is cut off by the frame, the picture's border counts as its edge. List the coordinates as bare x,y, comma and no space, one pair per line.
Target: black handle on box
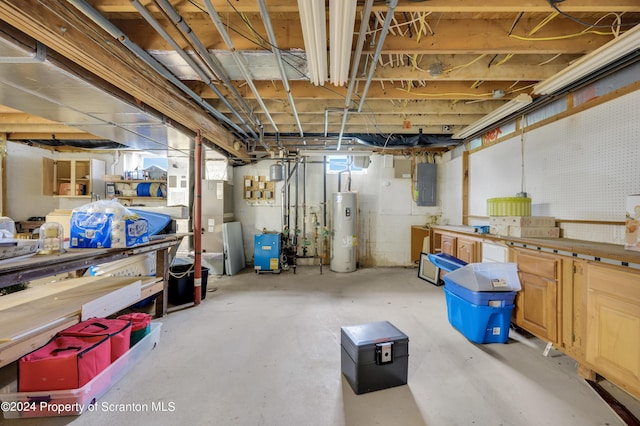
68,348
97,324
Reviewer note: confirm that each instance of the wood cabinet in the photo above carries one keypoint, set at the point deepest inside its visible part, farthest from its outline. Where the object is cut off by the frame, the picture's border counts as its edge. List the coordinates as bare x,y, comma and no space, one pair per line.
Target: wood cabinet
418,234
468,250
73,178
537,303
448,244
463,247
613,325
581,296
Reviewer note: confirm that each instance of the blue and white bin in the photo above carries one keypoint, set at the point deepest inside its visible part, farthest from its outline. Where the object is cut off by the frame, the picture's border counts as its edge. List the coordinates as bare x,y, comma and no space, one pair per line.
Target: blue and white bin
480,299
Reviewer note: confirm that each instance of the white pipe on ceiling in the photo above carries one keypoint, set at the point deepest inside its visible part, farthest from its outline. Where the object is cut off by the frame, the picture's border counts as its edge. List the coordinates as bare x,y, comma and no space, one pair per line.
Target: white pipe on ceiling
215,18
276,51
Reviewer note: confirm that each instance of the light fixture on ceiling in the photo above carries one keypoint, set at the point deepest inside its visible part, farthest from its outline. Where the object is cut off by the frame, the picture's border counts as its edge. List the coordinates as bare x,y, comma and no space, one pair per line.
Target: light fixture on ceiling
314,31
342,18
599,58
505,110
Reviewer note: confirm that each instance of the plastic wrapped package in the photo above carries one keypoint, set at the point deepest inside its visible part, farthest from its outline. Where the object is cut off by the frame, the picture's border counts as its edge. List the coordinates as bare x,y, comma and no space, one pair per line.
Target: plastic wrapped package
105,224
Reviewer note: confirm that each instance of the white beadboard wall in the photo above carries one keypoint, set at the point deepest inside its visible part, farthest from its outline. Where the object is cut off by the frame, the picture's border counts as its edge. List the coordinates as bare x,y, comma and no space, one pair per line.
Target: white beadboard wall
581,167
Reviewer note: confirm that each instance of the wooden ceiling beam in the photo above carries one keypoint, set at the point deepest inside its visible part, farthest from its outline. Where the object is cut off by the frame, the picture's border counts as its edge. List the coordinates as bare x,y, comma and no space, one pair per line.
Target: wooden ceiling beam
370,129
42,135
395,90
451,36
470,67
379,106
373,119
48,128
440,6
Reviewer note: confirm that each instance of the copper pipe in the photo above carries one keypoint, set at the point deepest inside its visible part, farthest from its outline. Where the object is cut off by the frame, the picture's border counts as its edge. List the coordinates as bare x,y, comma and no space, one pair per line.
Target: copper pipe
197,221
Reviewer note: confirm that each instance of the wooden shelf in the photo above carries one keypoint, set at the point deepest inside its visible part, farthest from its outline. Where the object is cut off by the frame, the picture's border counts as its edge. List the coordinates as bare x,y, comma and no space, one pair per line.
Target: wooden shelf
135,197
136,181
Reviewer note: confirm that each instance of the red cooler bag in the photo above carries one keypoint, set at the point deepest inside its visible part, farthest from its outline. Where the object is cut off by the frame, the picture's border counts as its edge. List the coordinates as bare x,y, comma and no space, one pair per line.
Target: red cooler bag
66,362
118,330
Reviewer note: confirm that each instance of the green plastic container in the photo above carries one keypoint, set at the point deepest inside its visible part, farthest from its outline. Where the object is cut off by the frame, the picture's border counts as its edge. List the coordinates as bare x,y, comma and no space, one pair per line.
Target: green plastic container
140,325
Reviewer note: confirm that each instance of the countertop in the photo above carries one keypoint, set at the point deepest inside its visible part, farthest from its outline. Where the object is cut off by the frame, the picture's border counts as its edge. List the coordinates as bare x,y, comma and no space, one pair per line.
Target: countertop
590,250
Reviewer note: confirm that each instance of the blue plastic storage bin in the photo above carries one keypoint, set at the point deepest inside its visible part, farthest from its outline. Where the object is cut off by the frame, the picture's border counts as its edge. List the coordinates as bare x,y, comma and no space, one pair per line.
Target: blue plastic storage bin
480,324
446,262
482,298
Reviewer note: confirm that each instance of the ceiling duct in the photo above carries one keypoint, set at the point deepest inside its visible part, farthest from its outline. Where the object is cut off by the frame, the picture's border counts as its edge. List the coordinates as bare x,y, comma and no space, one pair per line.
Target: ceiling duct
32,83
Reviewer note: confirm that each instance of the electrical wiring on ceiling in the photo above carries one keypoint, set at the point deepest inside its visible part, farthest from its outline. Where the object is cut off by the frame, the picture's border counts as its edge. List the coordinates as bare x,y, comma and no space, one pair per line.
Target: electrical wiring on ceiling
554,3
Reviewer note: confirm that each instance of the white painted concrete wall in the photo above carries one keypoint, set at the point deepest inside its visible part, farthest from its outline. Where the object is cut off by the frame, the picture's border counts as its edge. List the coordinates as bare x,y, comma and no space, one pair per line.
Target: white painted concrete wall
386,209
24,181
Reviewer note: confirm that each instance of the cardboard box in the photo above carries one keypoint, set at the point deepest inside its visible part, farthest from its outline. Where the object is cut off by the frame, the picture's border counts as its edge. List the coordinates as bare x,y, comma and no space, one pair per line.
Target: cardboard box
549,221
534,231
501,229
99,230
63,217
632,223
65,189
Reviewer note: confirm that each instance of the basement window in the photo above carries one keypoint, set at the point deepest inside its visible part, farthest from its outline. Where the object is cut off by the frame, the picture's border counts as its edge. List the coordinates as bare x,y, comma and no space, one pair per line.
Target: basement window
343,163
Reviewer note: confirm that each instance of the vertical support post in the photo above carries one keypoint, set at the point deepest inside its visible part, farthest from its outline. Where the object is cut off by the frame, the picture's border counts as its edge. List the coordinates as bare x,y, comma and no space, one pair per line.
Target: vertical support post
197,219
3,173
162,266
465,188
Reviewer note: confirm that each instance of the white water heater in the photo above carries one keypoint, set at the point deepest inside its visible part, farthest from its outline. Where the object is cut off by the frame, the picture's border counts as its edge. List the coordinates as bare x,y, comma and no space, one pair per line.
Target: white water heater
344,238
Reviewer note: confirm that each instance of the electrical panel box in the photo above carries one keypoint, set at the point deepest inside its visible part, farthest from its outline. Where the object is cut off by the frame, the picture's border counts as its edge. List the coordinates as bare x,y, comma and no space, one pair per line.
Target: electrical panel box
426,184
402,169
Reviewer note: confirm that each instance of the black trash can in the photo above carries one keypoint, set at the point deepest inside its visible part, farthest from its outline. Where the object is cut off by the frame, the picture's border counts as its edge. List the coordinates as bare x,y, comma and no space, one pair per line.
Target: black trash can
181,282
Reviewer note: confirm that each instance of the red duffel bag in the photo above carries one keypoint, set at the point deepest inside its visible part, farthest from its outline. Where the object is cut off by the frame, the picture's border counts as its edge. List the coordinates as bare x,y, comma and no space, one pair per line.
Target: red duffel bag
118,330
66,362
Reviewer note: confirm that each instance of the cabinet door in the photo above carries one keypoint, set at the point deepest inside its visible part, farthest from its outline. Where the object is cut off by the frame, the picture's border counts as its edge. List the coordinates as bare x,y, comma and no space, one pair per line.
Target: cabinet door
449,245
537,303
418,234
466,250
613,325
537,306
48,176
96,184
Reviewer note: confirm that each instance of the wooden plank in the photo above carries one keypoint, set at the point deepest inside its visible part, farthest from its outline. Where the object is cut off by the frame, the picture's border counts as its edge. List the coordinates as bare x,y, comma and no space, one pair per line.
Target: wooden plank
14,350
33,293
18,321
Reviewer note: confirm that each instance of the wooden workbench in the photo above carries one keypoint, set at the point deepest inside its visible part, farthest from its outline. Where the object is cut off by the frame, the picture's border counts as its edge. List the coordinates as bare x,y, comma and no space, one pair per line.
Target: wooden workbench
42,314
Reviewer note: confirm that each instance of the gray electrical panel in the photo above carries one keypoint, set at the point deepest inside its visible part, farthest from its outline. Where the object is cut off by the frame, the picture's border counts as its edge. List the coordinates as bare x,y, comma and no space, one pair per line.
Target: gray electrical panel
426,181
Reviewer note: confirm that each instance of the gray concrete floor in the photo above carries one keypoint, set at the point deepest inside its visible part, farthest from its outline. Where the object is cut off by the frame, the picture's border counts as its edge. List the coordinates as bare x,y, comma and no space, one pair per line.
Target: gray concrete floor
265,350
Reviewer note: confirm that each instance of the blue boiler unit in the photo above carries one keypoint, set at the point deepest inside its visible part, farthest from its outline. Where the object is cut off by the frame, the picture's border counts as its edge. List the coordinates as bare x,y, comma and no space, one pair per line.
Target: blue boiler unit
266,253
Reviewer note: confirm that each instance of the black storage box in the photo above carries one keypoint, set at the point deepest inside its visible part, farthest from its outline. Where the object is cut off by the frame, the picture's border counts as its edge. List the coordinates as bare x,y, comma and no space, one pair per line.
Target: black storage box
375,356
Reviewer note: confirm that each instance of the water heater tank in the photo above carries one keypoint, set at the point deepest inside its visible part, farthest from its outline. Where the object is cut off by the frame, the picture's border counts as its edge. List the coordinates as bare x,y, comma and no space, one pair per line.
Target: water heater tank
344,238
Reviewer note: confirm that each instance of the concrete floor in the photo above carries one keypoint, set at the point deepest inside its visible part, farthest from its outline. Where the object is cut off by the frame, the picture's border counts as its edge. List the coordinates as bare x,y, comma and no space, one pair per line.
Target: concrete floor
265,350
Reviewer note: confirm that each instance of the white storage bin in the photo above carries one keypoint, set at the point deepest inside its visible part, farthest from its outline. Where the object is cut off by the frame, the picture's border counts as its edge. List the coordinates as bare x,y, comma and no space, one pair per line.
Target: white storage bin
494,276
73,402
